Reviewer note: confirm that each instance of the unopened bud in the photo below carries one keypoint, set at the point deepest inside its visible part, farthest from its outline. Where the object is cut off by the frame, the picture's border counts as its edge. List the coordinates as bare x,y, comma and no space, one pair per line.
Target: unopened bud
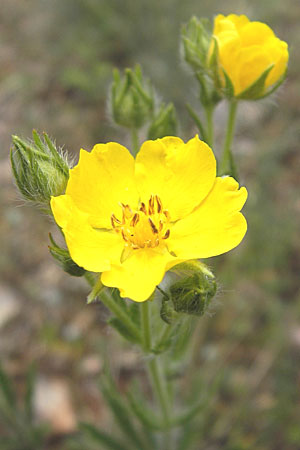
132,99
40,170
167,312
196,38
64,259
193,293
164,123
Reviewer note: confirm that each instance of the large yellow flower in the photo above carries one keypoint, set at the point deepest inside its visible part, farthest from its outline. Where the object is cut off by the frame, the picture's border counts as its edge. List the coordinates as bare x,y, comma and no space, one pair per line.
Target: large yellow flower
133,220
247,49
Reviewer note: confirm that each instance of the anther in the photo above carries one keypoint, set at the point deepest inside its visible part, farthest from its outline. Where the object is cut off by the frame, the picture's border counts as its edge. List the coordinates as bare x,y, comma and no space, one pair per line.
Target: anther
127,212
167,234
167,214
124,236
159,204
115,219
135,220
143,208
151,205
160,225
154,229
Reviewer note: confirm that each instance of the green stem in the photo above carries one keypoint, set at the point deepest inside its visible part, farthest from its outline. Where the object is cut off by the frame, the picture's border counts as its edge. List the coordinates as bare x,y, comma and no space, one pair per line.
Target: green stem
145,320
227,166
120,313
160,388
113,306
135,141
209,110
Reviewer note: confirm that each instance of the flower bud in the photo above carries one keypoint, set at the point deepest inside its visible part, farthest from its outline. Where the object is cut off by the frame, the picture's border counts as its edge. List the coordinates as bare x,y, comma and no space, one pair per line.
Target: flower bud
196,38
39,169
252,61
167,312
132,100
164,124
64,259
193,293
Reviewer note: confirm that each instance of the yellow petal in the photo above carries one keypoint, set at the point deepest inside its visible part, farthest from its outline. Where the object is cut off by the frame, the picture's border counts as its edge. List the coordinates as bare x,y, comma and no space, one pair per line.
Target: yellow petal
215,227
280,56
238,21
180,174
253,61
140,273
255,33
102,179
91,249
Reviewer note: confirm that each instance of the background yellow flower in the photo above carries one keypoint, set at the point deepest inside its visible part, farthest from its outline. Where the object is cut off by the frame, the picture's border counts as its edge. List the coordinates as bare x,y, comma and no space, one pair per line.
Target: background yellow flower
247,49
133,220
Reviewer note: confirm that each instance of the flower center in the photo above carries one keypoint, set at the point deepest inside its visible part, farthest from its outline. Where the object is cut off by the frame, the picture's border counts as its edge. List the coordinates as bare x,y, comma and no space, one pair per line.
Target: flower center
145,227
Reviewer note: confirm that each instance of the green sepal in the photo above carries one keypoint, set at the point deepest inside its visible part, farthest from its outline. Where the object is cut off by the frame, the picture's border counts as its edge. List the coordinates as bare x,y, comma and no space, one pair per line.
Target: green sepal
164,123
96,291
274,87
62,255
257,89
229,88
214,64
121,328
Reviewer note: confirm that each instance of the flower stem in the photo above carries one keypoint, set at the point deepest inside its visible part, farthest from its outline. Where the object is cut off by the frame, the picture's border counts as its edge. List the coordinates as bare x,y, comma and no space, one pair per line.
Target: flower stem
145,320
227,166
135,141
155,370
209,110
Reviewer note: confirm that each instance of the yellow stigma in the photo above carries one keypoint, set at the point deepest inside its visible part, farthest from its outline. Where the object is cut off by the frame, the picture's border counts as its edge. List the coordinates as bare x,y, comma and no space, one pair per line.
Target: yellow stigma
145,227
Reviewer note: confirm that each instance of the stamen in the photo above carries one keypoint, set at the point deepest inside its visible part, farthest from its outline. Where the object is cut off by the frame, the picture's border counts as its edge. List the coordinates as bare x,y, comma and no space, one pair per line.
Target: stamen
135,220
167,214
154,229
151,205
124,236
127,211
160,225
115,219
159,204
167,234
143,208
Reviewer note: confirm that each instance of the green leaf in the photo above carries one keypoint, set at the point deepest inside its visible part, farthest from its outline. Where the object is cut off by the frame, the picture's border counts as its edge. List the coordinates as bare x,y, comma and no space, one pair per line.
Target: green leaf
30,382
256,90
122,414
7,389
147,417
121,328
102,438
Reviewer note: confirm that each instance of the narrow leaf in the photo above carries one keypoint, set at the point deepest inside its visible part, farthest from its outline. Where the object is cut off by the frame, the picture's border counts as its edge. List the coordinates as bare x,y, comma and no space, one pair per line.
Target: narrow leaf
101,437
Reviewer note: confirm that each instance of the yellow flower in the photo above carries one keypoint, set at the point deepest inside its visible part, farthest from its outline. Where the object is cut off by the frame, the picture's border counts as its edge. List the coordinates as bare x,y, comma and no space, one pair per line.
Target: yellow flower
133,220
247,49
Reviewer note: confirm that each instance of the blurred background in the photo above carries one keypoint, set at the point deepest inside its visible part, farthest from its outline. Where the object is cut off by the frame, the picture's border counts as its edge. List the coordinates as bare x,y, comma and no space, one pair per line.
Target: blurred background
56,67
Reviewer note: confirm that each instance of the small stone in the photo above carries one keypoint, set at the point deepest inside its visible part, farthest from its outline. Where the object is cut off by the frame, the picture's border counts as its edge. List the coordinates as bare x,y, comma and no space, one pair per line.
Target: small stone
53,405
